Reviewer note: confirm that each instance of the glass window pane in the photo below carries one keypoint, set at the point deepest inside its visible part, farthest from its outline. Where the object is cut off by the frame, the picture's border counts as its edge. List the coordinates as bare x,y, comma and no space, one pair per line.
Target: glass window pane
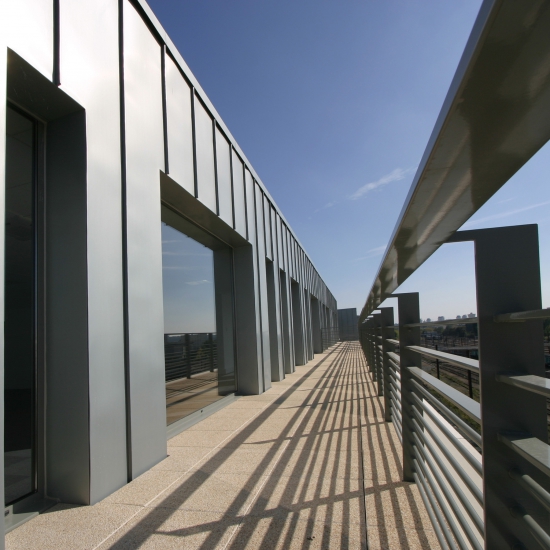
19,312
198,317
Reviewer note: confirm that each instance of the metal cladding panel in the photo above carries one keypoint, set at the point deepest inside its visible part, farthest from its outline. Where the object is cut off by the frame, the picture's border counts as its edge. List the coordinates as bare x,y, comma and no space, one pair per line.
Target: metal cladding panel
267,226
82,59
238,196
3,83
179,127
204,143
28,28
252,238
144,157
264,311
279,234
274,240
223,161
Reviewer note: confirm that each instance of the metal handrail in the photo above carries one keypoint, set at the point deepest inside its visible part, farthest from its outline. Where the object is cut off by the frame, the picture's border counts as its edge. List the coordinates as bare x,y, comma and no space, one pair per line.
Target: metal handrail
522,316
529,382
459,361
464,403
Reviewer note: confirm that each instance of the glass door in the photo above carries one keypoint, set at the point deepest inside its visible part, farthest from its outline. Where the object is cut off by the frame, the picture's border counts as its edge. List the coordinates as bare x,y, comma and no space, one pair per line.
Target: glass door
20,307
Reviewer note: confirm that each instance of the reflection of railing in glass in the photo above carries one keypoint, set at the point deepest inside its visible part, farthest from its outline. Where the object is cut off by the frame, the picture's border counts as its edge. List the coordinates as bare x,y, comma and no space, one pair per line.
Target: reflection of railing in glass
188,354
329,336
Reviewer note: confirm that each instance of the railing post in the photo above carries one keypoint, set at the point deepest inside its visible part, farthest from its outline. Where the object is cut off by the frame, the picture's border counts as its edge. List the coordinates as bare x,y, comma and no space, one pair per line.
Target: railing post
507,281
188,354
387,322
377,353
211,346
370,356
409,312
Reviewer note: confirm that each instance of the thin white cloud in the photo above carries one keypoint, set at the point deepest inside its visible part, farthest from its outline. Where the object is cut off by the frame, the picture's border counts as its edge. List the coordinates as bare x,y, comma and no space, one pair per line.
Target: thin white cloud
373,252
193,283
328,205
505,214
395,175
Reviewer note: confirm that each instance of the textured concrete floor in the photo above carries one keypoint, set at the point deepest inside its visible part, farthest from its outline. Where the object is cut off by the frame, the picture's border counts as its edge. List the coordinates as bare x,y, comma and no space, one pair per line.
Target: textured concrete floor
309,464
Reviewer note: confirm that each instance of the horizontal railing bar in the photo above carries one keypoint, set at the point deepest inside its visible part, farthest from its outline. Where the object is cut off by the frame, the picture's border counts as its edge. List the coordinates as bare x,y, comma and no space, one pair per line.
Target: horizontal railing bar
436,490
395,368
395,373
443,323
464,403
467,431
459,361
467,505
392,341
522,316
380,347
445,489
394,357
475,464
438,522
532,449
538,533
395,405
396,384
473,488
532,487
529,382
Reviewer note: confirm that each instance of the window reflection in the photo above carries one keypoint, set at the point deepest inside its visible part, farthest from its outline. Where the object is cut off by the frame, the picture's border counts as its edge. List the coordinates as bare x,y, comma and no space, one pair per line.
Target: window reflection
198,328
19,313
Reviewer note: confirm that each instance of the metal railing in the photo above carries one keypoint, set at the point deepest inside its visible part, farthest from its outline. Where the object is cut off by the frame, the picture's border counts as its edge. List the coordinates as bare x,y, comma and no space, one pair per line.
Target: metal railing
473,461
188,354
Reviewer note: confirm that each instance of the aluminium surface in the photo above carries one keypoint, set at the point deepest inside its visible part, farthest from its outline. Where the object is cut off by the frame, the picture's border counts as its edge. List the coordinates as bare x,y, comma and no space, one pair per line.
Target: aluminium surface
495,117
159,29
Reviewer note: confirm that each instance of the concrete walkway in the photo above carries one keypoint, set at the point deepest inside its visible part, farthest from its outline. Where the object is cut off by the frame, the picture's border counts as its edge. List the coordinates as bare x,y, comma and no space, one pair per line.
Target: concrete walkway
309,464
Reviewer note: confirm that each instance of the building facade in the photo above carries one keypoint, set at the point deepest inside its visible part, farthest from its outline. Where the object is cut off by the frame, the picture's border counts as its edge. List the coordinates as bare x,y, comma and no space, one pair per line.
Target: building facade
123,186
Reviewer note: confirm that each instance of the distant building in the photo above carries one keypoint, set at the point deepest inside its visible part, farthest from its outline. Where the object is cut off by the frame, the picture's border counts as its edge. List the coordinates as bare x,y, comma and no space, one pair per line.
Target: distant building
348,324
428,320
441,318
458,317
471,315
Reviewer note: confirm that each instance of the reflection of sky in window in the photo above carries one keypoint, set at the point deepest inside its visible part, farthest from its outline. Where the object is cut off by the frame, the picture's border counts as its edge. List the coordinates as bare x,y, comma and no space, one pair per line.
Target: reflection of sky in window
188,284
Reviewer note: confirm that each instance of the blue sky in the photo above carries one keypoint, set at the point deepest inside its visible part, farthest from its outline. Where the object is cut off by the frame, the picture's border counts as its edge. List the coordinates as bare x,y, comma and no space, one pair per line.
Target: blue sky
333,103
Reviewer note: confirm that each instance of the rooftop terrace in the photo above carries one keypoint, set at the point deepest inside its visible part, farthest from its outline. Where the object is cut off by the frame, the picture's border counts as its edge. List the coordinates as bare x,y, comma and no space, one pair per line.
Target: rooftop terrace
309,464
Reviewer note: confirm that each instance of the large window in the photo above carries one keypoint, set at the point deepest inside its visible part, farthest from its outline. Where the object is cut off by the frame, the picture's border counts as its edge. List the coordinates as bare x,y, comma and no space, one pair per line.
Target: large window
20,307
198,314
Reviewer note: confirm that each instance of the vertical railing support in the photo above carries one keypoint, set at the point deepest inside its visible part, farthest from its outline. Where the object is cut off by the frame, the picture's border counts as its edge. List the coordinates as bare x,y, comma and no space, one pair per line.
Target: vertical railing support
409,312
211,346
370,355
507,281
377,317
188,354
387,322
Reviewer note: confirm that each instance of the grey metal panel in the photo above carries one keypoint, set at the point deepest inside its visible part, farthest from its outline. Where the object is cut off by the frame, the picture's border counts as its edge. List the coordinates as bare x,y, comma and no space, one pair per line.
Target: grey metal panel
28,28
267,226
144,158
275,348
3,83
280,241
204,143
239,196
262,282
223,160
488,128
80,25
179,127
274,237
256,283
